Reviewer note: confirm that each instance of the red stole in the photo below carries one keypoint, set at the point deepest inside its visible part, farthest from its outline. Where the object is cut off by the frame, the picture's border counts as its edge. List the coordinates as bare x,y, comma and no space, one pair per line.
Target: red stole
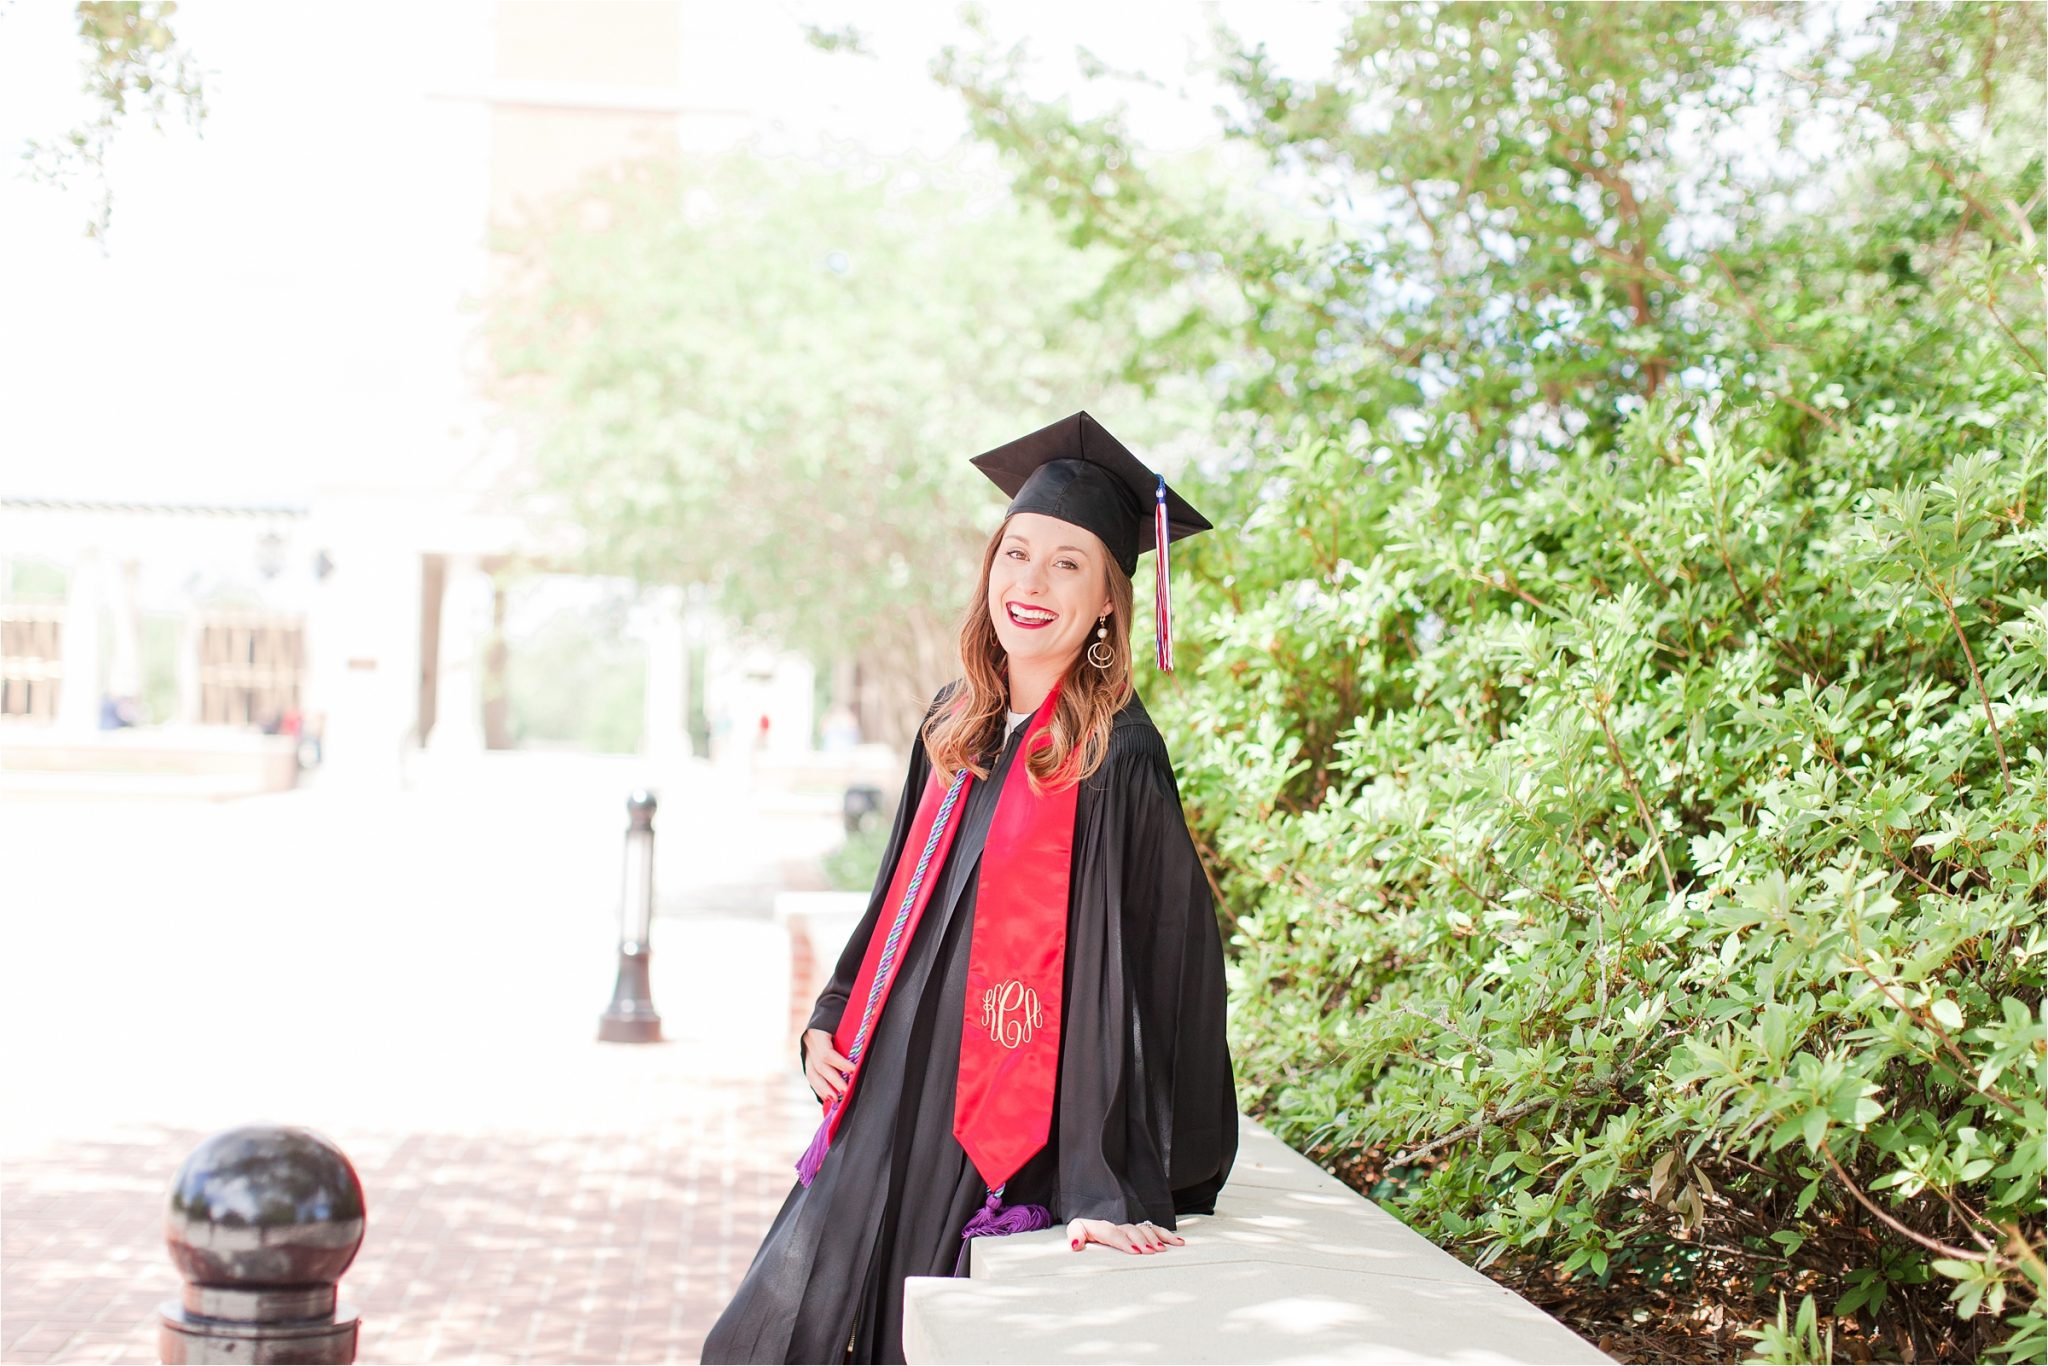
1010,1034
1010,1038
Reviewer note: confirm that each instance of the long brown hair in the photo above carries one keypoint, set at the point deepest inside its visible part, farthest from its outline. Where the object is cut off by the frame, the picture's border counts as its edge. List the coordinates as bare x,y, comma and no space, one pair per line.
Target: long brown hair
972,719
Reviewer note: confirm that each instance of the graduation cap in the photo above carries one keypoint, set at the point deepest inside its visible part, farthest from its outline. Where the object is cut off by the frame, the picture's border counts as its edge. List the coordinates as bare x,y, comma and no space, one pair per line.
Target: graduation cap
1076,471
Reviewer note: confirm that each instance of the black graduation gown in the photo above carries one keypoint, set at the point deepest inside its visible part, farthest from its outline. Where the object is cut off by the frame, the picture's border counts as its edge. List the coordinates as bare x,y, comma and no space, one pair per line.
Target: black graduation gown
1145,1111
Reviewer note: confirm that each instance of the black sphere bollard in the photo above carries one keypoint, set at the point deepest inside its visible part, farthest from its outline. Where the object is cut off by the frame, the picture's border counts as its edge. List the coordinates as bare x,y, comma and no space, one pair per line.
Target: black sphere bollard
262,1222
631,1017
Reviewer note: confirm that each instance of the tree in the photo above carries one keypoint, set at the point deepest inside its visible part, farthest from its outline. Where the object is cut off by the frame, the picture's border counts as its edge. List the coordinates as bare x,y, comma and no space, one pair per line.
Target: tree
133,64
767,378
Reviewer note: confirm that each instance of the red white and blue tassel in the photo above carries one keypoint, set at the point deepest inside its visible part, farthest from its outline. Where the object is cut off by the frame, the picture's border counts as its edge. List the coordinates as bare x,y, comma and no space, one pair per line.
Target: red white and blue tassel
1162,598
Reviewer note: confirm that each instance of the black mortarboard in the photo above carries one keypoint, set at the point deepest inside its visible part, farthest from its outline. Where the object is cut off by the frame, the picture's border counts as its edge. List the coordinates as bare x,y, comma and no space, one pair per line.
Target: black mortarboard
1076,471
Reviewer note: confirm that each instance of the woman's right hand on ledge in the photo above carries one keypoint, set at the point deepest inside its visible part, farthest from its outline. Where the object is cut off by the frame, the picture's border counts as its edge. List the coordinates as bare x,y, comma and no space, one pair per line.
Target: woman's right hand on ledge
824,1068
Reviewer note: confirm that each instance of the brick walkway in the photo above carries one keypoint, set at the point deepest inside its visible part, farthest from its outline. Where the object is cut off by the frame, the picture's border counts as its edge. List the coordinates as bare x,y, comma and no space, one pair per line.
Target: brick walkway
566,1247
532,1195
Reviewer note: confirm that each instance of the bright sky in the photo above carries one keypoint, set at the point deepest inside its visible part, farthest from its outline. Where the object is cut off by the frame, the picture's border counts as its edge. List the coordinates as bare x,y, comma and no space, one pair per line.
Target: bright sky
279,307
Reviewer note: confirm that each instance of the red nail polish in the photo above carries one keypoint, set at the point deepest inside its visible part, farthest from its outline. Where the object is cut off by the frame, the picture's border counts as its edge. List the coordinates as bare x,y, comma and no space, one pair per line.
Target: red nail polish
1077,1244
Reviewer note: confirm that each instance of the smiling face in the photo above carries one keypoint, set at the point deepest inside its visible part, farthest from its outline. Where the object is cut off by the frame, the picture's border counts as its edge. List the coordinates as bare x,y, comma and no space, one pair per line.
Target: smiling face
1044,565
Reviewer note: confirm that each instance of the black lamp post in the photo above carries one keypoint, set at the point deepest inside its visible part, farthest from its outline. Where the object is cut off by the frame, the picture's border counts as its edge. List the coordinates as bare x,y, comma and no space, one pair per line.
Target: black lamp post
631,1018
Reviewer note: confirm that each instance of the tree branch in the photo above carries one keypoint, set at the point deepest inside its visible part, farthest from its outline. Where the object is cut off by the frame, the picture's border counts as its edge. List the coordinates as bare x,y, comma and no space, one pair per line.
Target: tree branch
1931,1244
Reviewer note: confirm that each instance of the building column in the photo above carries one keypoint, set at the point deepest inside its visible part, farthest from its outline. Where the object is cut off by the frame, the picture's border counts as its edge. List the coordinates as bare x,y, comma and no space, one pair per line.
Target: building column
458,692
124,665
78,694
791,702
664,725
189,634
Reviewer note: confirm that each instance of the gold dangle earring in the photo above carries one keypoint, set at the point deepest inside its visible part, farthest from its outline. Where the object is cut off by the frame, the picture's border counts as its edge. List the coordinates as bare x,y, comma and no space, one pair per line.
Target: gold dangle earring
1107,655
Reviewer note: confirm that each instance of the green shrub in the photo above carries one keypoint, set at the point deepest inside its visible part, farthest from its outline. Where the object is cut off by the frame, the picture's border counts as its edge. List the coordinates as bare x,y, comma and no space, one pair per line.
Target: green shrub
851,867
1679,883
1614,712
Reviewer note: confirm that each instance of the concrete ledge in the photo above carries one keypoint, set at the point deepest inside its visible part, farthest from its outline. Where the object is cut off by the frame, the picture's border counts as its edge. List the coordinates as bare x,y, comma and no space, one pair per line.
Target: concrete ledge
830,772
1294,1266
214,761
819,924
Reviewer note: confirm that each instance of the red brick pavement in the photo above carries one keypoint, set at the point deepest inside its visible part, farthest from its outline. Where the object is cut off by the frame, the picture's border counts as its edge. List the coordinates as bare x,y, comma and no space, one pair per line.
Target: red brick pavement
561,1246
805,978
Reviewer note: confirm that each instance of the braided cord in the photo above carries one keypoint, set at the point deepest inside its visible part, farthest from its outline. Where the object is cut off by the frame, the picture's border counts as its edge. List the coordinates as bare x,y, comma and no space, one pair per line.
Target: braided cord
882,966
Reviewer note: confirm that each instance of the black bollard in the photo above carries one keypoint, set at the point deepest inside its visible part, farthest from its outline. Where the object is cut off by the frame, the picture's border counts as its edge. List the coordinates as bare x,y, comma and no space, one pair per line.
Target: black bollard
860,802
262,1222
631,1018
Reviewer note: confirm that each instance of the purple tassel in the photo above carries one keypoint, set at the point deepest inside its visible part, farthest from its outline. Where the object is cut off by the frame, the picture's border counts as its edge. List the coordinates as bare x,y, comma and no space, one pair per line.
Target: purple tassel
995,1220
814,1156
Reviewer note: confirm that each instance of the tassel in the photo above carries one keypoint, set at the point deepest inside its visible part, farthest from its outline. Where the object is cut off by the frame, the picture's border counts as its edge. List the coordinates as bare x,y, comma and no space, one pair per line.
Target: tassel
814,1156
994,1220
1162,593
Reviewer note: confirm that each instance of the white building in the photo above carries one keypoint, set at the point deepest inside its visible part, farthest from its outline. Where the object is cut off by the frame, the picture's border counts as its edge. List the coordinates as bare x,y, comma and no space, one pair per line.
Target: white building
372,594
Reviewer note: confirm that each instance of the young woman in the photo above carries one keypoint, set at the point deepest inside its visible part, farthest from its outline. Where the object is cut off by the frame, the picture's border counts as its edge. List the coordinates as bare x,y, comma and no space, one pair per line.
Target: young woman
1027,1027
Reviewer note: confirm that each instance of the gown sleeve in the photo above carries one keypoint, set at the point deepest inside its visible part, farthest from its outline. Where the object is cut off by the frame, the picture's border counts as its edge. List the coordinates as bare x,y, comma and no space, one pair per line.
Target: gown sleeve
1147,1108
831,1003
